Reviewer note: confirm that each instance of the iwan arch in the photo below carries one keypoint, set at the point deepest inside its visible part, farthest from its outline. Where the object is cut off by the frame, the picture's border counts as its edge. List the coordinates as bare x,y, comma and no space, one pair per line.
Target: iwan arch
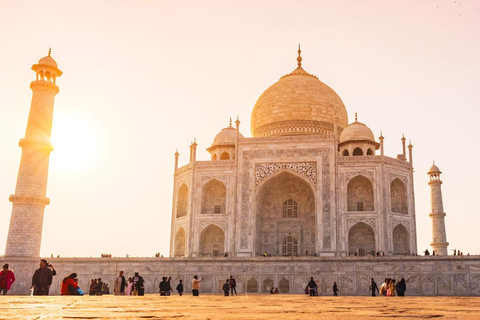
307,183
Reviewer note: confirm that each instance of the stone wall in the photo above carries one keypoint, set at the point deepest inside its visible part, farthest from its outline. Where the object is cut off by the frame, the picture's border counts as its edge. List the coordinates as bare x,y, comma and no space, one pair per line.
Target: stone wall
452,275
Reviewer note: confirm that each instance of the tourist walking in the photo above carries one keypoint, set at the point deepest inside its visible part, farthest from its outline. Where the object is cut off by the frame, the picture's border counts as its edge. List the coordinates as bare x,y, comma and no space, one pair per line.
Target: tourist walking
169,286
7,278
129,287
312,287
138,284
226,288
42,279
163,286
233,285
401,287
373,287
69,285
180,288
196,286
119,284
335,289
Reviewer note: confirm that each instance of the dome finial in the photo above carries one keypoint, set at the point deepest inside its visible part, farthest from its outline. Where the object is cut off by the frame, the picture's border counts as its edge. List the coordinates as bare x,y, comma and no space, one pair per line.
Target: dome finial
299,58
49,51
230,121
356,118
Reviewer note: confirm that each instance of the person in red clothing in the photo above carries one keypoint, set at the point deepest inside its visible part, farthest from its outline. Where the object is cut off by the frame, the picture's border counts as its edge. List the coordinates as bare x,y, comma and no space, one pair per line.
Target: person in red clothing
69,285
7,277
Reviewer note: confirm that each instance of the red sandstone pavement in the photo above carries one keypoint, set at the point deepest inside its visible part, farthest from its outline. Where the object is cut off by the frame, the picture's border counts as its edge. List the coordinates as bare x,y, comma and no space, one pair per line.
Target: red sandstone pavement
238,307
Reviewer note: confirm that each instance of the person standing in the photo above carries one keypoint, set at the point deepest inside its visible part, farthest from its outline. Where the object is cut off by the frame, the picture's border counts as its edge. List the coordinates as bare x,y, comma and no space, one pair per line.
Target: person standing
99,290
163,286
7,278
93,287
138,284
42,279
233,285
196,286
226,288
312,287
129,287
119,284
383,288
401,287
373,287
169,289
335,289
180,288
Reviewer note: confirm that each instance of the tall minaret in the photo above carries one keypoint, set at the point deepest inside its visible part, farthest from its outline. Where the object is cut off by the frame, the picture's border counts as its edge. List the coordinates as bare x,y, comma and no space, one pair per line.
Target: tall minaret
29,200
439,243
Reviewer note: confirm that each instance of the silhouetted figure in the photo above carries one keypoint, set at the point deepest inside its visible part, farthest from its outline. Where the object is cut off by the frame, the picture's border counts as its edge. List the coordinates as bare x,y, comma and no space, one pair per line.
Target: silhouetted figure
226,288
335,289
373,287
312,287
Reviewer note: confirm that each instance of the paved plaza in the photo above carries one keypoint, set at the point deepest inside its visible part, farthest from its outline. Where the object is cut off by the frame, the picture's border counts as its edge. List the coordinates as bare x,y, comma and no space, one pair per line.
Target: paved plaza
238,307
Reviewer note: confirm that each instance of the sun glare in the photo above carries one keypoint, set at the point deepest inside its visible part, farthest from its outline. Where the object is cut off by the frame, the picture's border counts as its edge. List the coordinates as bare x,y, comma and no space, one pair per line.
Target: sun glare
75,139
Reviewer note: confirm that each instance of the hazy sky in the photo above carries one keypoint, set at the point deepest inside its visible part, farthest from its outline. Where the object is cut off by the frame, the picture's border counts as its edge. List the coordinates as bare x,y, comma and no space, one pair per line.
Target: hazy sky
142,78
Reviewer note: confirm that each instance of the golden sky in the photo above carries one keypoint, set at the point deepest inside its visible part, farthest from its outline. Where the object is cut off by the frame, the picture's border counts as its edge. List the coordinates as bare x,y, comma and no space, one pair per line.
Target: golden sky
142,78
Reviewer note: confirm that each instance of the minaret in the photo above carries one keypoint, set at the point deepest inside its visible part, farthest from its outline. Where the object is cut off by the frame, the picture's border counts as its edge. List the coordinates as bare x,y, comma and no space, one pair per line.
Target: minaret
439,243
29,200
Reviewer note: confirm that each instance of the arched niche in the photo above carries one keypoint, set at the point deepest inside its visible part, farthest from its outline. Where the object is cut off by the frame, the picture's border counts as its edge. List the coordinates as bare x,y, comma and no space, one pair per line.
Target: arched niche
361,239
357,151
182,201
212,242
180,240
398,196
214,197
401,240
272,227
284,286
252,285
360,194
370,152
267,285
345,153
225,156
214,156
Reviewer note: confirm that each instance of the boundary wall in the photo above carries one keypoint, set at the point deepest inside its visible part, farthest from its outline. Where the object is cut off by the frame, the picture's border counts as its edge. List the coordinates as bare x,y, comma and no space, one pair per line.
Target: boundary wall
430,275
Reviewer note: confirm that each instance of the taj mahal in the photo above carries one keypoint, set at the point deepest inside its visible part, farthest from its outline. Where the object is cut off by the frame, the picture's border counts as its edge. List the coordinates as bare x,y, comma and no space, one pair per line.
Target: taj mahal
310,194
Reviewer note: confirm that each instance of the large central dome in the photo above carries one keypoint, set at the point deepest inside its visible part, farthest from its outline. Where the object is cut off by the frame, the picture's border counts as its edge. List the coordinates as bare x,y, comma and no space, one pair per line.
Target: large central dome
298,103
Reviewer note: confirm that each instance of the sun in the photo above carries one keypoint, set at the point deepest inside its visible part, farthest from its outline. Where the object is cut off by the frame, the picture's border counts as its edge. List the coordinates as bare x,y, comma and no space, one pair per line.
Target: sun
75,138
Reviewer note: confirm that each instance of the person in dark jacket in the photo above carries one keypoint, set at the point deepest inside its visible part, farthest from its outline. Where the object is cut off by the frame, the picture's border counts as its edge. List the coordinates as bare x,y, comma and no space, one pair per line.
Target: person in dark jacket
335,289
373,287
233,285
401,287
138,284
164,286
42,279
180,288
312,287
99,287
169,286
226,288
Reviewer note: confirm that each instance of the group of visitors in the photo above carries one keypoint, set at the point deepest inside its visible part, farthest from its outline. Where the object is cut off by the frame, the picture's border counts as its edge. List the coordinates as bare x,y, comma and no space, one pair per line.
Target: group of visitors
389,288
98,287
230,285
166,288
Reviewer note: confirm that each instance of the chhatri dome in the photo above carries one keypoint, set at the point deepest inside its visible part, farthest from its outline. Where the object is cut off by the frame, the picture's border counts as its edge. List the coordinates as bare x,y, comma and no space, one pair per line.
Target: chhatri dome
298,103
357,131
226,136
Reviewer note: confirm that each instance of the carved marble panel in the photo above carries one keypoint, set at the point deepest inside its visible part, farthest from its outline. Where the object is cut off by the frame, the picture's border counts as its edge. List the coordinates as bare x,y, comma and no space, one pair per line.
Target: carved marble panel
306,169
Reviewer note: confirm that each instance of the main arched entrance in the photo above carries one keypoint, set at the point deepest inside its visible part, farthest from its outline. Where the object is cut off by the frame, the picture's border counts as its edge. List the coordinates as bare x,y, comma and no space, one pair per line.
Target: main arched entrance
285,216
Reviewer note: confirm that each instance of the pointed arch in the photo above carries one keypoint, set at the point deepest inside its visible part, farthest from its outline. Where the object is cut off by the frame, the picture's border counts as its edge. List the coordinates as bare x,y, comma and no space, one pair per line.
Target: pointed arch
370,152
182,201
401,240
360,194
214,156
357,152
345,153
267,285
284,286
214,197
252,285
361,239
398,196
225,156
212,242
180,243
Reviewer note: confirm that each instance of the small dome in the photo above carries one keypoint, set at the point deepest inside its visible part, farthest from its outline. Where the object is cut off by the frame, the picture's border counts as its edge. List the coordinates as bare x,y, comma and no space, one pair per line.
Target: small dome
434,169
357,131
226,136
48,61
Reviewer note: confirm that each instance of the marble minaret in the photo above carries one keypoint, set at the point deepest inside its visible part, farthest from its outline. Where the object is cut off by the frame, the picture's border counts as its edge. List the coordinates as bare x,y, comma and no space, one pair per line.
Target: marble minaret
29,200
439,243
